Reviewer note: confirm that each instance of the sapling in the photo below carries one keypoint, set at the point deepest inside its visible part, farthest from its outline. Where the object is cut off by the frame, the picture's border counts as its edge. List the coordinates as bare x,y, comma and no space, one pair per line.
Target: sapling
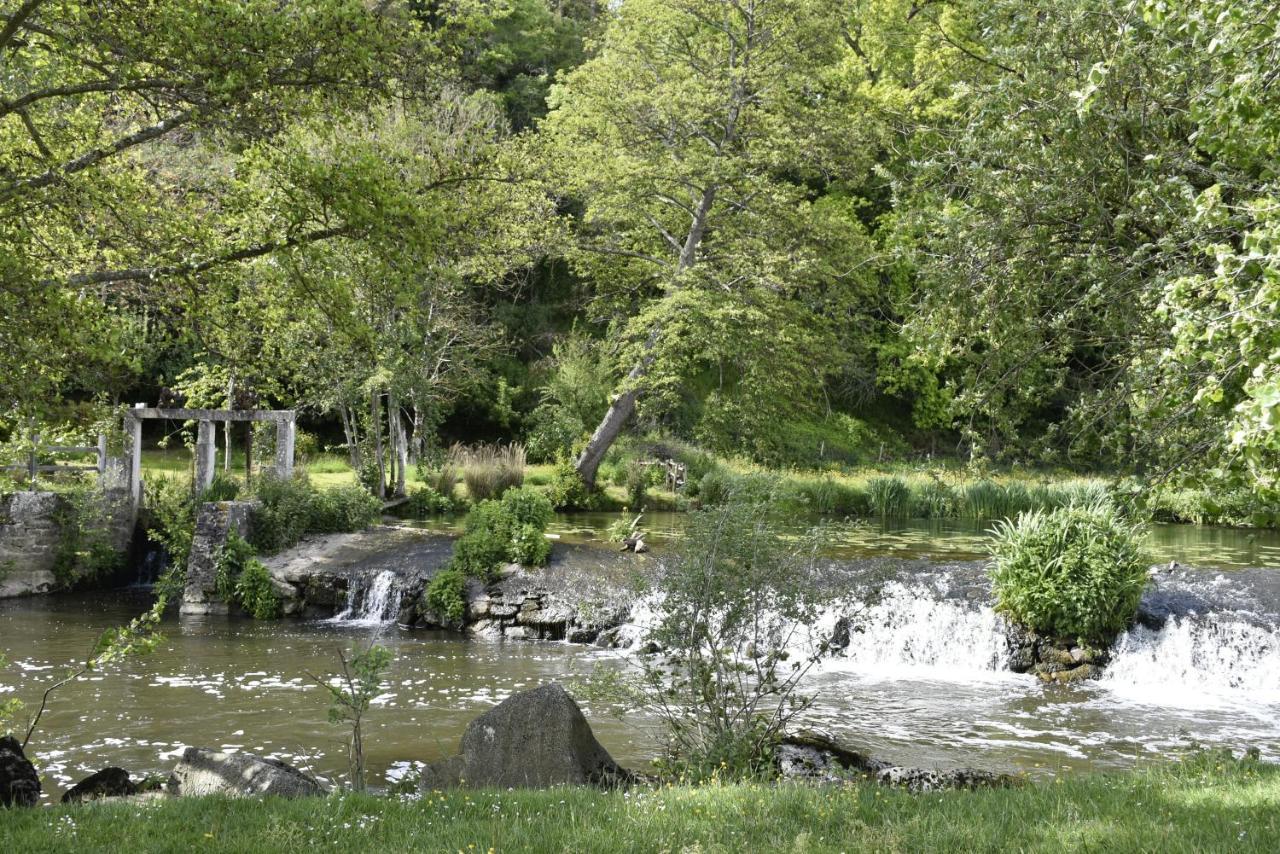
357,685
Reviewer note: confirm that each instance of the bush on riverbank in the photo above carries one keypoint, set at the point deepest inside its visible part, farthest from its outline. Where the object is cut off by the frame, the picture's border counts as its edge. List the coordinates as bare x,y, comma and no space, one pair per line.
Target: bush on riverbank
1074,572
509,530
1208,803
241,579
292,508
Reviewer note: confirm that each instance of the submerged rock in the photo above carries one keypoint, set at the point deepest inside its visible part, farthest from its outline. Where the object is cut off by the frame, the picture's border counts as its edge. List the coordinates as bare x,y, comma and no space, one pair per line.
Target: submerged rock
533,739
212,772
819,758
19,783
111,782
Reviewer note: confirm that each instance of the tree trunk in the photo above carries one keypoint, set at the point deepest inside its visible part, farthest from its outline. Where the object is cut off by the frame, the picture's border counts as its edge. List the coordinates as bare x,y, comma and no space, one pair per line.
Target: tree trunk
622,407
248,453
350,432
375,424
417,445
399,443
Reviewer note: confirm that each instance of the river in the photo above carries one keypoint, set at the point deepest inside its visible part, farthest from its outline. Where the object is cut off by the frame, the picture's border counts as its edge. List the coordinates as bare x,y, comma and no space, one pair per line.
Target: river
922,684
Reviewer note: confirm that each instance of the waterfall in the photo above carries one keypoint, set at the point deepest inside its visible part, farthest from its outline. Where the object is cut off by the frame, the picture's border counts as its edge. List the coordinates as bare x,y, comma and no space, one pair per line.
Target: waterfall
913,626
1211,660
372,602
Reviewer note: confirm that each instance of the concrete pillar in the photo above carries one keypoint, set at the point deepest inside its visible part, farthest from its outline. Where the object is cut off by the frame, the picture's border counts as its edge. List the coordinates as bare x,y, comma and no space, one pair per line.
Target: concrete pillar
206,456
286,434
133,453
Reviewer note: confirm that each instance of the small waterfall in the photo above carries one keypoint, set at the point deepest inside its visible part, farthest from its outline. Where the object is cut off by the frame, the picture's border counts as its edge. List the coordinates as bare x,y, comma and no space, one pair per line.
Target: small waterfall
1193,660
912,626
372,602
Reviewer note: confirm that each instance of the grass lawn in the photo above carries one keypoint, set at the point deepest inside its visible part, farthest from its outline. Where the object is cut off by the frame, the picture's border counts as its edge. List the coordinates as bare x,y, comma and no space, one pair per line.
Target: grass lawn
1197,806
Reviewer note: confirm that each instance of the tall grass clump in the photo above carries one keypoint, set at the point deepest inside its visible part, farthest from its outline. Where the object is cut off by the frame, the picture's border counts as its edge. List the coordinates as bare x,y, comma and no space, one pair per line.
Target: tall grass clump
829,497
890,497
1075,572
444,479
489,470
984,499
933,499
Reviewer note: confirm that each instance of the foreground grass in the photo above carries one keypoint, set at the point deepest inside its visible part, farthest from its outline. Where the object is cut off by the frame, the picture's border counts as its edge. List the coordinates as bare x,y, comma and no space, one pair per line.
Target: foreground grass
1200,806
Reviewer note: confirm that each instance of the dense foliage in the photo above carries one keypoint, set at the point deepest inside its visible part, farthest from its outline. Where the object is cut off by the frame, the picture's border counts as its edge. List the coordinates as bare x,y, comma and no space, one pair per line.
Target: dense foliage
809,234
291,509
1074,573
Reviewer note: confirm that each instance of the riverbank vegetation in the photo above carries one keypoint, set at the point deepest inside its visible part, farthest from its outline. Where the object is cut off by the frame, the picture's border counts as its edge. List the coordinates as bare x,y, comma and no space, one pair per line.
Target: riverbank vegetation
1206,803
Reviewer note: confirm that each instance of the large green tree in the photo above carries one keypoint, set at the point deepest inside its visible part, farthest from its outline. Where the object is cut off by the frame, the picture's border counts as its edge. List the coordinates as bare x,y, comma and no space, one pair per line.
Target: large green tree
693,144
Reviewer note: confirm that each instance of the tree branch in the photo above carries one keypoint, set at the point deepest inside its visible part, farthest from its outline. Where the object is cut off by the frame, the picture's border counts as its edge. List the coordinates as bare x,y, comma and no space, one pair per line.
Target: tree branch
16,20
96,156
142,274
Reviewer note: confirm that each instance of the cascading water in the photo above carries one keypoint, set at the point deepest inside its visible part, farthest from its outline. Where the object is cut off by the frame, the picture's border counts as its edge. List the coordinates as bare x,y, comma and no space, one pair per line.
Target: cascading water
911,626
1210,660
372,602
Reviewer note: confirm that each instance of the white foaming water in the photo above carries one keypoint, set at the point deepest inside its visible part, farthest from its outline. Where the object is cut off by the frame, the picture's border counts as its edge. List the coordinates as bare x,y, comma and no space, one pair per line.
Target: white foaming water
911,628
372,603
1198,661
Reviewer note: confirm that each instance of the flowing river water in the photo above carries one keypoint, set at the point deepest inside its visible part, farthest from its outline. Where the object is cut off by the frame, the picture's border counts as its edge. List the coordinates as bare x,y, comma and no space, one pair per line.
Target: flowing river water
922,682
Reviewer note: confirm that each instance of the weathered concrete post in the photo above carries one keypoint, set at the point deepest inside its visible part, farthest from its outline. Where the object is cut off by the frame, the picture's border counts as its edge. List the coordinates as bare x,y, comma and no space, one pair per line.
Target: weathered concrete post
206,456
133,448
286,434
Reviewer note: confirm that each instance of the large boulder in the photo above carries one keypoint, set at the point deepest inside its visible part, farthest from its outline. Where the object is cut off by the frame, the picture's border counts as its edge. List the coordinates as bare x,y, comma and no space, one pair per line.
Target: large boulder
212,772
110,782
533,739
19,783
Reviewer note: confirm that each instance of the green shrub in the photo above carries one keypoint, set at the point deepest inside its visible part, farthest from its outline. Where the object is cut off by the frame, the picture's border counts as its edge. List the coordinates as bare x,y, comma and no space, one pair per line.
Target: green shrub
425,502
221,488
496,532
171,520
446,594
637,483
241,579
890,497
715,487
292,508
1075,572
567,491
255,591
529,507
343,508
529,546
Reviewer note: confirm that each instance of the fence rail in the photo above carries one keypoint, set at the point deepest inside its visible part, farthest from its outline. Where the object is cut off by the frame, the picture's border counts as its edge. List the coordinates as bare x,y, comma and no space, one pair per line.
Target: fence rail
33,467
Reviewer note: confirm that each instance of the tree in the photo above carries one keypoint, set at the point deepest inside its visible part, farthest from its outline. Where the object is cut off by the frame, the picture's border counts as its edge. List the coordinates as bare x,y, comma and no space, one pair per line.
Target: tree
92,229
356,688
689,140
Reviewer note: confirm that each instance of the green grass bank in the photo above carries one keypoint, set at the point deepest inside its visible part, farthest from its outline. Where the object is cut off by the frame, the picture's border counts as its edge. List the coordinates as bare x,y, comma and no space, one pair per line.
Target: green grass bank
1204,804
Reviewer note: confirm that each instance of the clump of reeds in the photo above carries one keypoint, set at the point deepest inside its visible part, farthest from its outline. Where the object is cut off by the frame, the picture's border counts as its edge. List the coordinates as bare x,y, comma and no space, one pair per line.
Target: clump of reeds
488,470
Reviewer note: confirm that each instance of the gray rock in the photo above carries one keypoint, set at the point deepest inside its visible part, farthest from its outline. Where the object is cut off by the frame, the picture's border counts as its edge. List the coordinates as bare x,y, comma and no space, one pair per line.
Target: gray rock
19,783
817,757
211,772
533,739
110,782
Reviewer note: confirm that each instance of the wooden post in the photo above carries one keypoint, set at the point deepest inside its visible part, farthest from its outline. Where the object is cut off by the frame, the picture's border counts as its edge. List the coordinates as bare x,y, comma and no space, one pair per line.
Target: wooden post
206,456
286,435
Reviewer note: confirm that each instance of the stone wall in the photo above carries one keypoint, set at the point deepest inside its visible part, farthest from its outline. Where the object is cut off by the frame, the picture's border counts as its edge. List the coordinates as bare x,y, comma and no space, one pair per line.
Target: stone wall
215,520
29,538
31,535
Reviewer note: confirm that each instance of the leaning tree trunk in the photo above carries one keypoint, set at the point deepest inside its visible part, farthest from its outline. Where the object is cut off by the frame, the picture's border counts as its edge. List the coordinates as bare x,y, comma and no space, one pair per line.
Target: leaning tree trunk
622,407
351,432
375,421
